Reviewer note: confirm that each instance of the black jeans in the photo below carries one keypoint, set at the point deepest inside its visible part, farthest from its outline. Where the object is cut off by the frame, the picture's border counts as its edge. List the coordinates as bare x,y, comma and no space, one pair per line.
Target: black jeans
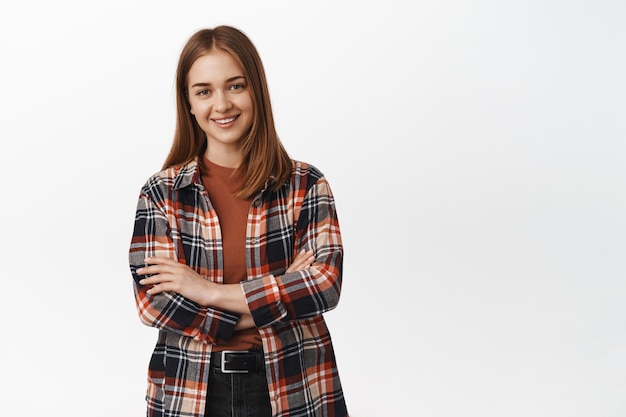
238,395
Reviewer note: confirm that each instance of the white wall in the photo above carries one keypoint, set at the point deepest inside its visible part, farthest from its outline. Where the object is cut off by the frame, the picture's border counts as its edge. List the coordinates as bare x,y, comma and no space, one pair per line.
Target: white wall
476,150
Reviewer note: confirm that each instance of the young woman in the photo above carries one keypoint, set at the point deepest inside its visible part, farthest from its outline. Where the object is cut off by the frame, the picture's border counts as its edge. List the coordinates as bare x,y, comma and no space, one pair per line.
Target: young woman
236,252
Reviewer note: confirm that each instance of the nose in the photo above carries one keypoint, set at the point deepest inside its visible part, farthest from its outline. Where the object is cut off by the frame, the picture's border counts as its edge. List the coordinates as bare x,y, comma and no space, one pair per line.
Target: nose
222,102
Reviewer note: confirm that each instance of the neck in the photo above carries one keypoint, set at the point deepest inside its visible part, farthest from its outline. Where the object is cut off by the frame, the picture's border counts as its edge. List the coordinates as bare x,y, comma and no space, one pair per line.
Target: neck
228,159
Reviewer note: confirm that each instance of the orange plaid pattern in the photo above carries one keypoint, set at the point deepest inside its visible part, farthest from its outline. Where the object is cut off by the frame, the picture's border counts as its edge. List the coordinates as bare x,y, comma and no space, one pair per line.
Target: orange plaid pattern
174,218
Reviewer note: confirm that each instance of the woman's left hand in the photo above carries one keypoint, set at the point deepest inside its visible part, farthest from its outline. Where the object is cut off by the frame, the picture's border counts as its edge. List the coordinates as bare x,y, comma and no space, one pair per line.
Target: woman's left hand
171,275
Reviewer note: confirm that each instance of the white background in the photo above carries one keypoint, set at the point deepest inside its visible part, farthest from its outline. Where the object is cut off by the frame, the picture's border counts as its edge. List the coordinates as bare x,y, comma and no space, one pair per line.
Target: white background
475,148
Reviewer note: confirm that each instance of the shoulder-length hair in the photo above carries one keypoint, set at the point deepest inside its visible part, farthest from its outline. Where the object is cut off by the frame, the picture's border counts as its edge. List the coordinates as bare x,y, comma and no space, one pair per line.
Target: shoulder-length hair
264,157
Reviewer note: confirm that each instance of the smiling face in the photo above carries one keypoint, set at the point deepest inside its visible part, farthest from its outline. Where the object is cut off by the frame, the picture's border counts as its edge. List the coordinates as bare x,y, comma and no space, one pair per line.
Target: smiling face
222,104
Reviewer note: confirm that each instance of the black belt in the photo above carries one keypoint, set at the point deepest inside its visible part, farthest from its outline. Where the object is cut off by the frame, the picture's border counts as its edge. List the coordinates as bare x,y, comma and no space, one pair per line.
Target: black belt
238,361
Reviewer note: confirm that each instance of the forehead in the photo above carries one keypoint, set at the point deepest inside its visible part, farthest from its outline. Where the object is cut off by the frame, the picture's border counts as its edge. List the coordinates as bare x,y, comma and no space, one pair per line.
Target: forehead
215,66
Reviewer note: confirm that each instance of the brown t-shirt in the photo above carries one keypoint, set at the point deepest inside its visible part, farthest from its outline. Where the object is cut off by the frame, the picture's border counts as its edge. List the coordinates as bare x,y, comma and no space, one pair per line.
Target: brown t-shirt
232,213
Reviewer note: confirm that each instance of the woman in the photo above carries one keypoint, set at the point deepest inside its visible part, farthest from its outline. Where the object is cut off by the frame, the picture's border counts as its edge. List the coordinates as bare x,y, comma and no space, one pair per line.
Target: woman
236,252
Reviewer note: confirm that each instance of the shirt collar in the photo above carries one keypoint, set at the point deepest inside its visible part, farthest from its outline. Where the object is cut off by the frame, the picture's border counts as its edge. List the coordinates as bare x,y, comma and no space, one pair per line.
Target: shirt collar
187,174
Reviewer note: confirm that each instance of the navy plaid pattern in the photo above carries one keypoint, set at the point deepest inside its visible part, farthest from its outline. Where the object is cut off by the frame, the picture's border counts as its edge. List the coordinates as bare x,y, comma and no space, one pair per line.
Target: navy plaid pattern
175,219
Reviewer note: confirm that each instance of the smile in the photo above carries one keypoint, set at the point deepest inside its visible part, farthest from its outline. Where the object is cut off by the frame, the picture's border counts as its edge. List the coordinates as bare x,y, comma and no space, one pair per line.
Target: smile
225,121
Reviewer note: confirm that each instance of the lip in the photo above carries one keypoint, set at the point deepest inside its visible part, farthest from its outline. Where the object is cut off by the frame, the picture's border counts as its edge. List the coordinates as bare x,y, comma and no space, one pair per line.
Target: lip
225,122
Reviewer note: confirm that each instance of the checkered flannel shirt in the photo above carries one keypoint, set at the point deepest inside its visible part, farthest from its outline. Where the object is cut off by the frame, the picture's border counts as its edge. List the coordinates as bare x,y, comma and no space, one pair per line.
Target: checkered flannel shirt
175,219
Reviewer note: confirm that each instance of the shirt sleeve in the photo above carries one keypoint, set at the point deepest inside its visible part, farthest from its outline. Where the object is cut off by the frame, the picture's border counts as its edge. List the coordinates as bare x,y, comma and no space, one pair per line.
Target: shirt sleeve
169,311
311,292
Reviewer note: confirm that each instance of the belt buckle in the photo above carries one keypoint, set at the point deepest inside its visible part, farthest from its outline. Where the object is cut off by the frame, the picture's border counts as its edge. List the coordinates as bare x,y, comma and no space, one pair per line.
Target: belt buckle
223,363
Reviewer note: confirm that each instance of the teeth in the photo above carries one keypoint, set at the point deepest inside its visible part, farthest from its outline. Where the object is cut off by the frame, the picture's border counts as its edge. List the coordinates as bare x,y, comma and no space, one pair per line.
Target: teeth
224,121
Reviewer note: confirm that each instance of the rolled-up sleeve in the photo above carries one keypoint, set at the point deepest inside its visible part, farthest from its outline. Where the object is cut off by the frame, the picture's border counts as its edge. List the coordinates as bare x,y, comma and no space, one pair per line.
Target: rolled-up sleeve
311,292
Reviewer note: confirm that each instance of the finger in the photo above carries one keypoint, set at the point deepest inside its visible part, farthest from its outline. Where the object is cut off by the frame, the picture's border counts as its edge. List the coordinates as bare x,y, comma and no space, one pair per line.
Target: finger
157,269
303,256
156,289
156,279
148,270
153,280
295,265
303,260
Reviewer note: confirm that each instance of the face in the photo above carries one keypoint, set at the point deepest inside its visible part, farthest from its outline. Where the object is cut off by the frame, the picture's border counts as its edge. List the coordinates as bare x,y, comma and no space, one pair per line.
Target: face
221,102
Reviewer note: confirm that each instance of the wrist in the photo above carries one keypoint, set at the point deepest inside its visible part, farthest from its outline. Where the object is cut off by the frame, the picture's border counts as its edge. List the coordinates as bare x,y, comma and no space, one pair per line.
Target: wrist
211,290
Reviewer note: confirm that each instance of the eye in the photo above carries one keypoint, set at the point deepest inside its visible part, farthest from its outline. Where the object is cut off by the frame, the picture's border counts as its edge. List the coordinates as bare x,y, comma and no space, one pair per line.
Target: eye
202,92
237,86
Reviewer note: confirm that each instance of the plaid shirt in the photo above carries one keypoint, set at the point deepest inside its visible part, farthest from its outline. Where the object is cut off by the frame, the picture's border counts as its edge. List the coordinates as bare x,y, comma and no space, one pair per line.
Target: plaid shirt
175,219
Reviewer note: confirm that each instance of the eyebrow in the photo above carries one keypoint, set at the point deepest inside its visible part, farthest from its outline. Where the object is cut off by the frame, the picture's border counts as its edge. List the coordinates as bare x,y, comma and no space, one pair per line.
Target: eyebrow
231,79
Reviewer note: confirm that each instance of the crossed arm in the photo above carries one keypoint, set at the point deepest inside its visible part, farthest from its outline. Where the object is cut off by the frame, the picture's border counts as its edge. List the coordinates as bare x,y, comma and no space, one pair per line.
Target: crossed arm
171,275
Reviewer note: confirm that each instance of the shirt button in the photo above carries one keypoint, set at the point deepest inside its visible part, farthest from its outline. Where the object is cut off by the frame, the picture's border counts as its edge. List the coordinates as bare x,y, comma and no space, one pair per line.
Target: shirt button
253,240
